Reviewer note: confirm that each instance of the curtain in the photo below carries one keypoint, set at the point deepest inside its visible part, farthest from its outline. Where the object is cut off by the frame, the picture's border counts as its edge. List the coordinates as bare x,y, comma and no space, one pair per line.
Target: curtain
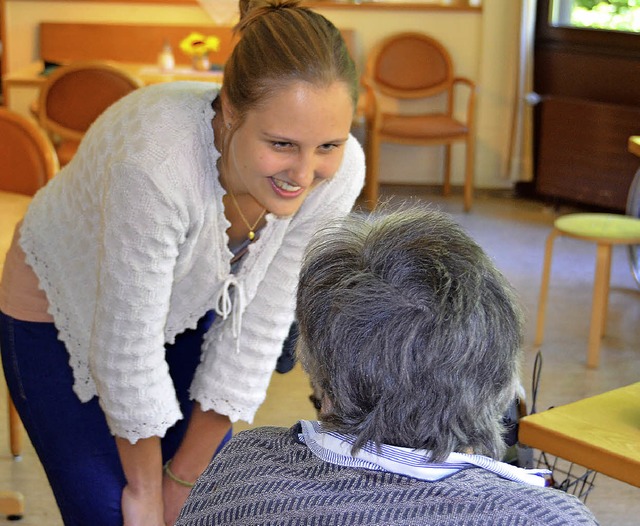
222,12
520,156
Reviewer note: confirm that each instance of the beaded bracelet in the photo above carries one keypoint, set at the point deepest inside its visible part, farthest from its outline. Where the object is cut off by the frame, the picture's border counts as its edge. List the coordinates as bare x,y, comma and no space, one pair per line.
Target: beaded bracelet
173,476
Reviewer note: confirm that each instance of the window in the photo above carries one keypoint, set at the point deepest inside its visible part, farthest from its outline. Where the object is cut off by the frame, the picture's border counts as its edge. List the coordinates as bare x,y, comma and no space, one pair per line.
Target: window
610,15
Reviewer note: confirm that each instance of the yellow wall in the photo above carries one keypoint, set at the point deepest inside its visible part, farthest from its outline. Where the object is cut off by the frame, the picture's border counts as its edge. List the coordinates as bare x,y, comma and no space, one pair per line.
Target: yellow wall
483,45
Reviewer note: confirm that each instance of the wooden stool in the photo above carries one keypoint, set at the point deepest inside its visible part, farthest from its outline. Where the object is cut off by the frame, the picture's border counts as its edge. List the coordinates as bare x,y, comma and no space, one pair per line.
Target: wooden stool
605,230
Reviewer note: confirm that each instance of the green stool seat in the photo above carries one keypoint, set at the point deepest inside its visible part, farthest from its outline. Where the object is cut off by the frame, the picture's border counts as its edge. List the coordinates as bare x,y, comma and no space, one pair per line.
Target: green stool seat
605,230
593,227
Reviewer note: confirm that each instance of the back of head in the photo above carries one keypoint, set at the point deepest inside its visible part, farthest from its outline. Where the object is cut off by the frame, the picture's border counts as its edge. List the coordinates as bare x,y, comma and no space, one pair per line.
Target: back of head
410,332
280,43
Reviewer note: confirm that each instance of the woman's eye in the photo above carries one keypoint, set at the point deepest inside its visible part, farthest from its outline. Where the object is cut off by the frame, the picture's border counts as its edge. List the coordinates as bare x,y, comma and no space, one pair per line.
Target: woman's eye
278,145
328,147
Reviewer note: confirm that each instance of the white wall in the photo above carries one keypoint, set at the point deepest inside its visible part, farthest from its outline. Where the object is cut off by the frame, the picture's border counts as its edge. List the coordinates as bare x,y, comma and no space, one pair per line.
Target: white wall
483,46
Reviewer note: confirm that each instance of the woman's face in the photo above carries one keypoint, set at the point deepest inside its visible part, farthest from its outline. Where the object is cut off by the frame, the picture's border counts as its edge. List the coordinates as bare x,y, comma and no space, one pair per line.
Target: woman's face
289,146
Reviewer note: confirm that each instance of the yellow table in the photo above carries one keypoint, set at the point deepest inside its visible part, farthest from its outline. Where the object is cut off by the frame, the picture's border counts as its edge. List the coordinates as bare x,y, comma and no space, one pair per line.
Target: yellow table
12,209
149,73
21,87
601,433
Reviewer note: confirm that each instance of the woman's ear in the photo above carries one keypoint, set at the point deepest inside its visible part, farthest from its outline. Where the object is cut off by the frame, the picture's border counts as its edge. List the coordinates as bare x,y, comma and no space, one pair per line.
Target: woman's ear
228,113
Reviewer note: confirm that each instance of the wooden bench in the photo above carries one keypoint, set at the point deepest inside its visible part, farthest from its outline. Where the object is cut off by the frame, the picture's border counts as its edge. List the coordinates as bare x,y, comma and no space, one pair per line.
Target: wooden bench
62,43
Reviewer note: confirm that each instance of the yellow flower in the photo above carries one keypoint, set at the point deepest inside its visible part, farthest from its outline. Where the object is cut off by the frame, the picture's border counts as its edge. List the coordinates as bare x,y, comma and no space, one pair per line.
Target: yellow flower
198,44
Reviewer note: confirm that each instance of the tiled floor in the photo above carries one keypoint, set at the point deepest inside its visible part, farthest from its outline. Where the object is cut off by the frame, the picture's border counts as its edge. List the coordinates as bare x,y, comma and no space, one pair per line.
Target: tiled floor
513,232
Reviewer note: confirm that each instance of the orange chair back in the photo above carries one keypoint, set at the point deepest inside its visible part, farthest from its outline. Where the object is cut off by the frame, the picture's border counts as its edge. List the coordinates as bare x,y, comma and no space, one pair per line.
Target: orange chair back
27,157
75,95
409,66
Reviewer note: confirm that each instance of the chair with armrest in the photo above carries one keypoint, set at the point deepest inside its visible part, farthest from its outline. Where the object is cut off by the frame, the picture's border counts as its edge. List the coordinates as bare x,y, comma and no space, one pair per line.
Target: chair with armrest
413,66
74,96
27,161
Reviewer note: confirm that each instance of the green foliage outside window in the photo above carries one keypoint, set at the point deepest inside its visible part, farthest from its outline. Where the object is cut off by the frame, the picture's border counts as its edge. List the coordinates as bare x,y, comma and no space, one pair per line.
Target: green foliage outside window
616,15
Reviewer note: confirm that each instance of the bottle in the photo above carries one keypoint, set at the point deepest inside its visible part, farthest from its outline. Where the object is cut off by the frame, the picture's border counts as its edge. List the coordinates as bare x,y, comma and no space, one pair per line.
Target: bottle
166,60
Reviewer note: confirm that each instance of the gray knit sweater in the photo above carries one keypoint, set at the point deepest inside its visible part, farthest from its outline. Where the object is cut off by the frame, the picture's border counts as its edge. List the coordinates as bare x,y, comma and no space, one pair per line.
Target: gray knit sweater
267,476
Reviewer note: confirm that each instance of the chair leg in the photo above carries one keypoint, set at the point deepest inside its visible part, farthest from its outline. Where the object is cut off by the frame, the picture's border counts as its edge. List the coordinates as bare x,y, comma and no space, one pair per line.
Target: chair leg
468,174
11,504
16,429
372,185
544,286
446,188
600,303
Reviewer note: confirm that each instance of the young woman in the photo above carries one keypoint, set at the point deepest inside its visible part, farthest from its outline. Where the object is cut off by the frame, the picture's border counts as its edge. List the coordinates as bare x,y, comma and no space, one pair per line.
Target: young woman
151,283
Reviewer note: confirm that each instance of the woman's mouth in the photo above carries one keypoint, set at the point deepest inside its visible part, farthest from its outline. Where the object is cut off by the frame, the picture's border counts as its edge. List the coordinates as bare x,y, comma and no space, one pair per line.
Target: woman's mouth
286,189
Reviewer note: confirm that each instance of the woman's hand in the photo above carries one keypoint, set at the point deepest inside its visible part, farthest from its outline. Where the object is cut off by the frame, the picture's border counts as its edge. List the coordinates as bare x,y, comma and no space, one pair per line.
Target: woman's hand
174,496
142,508
142,496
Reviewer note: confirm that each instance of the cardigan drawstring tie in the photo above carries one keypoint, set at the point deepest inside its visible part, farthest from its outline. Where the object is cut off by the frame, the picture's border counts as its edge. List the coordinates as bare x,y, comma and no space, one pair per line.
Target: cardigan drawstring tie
231,303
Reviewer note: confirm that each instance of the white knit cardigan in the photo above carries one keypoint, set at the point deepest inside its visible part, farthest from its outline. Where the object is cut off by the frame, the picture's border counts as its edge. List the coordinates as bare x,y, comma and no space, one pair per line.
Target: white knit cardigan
129,243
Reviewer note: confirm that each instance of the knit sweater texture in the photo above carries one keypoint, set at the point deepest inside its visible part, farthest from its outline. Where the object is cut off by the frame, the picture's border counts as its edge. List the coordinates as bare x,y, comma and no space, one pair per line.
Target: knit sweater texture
129,244
267,477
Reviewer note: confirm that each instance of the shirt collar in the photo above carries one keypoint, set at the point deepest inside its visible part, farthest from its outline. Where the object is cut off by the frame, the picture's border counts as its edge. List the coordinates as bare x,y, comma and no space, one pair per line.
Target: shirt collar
335,448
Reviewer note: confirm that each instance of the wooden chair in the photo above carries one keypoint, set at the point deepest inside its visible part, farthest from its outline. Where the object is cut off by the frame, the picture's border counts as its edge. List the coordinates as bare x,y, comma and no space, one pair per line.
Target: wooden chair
27,157
27,161
74,96
413,66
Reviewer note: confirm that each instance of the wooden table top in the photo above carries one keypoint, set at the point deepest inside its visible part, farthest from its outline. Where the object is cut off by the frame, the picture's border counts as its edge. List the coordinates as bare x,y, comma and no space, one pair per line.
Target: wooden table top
600,433
12,209
149,73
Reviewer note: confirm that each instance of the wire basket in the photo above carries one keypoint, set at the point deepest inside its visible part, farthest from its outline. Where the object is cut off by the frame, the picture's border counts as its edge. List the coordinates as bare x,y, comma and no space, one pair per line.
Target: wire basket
567,476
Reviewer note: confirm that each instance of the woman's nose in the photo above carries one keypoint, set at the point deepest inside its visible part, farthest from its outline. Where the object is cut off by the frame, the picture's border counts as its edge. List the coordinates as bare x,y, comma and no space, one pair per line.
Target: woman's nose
303,173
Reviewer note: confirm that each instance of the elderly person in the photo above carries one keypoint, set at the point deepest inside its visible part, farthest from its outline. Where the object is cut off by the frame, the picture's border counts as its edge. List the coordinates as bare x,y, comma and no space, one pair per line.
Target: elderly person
412,337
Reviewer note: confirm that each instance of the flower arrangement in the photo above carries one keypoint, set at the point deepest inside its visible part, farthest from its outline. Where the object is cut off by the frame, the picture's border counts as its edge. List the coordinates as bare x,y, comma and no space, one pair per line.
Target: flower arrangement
198,44
198,47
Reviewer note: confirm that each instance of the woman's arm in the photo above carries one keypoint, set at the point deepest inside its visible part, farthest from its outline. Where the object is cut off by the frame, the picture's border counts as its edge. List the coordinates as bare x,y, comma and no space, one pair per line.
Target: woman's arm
142,496
204,434
141,229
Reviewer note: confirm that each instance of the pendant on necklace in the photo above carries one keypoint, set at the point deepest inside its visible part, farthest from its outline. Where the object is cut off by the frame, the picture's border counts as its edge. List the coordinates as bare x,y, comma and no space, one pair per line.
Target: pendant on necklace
252,235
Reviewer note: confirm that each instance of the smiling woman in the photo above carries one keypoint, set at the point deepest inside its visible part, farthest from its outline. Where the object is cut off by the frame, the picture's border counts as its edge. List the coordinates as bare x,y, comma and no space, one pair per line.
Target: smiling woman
183,218
283,150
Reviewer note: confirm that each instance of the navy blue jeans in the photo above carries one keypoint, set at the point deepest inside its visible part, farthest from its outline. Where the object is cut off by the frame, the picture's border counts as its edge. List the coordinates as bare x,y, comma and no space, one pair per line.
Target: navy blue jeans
71,438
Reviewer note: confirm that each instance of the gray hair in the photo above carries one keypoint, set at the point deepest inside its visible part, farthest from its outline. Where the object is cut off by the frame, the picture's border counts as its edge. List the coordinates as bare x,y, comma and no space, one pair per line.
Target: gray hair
410,333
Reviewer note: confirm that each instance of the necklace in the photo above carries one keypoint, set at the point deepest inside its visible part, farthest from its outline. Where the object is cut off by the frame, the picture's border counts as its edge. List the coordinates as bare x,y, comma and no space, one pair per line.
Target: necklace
252,229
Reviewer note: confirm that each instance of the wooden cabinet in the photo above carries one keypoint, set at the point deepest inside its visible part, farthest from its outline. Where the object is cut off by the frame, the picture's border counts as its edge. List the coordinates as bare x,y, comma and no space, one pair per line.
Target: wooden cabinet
589,83
582,152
